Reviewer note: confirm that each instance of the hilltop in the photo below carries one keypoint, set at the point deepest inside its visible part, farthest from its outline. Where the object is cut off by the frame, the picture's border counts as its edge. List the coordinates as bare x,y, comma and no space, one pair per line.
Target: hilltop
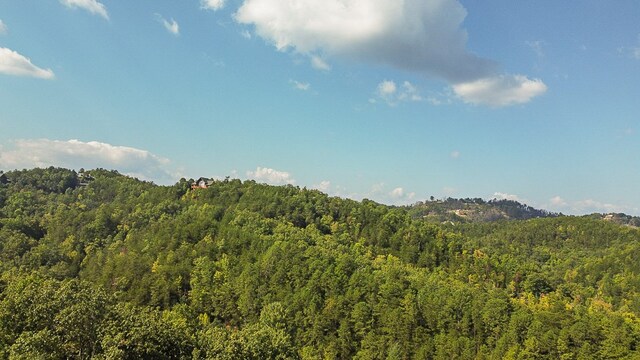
475,210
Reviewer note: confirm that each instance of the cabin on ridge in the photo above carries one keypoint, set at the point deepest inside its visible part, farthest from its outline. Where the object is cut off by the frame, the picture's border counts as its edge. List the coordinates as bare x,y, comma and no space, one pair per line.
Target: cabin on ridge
202,183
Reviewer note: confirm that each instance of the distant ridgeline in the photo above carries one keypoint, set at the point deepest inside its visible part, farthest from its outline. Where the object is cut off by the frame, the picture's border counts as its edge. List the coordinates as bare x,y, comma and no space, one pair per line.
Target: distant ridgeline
475,210
94,264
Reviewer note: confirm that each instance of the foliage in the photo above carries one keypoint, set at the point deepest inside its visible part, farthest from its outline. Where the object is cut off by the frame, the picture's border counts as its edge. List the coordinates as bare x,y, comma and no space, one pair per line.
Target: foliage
117,268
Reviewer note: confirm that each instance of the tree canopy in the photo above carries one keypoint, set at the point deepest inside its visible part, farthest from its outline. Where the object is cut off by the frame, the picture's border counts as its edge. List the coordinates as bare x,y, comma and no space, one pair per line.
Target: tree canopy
109,267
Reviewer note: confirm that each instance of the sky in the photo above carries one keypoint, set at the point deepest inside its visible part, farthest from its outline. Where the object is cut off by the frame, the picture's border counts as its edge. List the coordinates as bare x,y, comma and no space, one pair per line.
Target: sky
390,100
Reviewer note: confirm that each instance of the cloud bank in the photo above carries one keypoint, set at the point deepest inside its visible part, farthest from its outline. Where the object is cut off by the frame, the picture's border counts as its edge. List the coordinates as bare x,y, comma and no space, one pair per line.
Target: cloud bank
76,154
588,206
12,63
422,36
91,6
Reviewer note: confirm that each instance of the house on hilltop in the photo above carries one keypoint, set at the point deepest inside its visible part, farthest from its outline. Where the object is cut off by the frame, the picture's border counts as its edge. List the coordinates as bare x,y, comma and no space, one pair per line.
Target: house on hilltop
202,183
84,178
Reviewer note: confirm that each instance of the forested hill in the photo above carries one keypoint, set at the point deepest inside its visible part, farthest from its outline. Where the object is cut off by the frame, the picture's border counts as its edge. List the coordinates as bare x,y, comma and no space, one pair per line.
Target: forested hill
474,210
99,265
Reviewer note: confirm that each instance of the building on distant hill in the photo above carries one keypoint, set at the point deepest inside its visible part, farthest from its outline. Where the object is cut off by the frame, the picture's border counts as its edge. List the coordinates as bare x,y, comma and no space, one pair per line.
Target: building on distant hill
84,178
3,178
202,183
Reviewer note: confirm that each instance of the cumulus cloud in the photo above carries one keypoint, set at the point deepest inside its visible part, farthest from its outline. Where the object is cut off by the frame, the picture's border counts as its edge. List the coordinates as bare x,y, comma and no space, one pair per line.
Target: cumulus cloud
423,36
415,35
91,6
393,94
212,4
271,176
12,63
500,90
78,154
171,26
3,28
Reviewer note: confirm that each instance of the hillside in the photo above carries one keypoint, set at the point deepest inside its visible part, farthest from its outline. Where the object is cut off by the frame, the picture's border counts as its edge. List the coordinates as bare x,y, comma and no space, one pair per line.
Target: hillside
474,210
100,265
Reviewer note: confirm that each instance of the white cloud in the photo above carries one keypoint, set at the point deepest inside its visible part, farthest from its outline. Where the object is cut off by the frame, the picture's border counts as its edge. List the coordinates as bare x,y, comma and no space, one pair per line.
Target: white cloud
416,35
319,63
300,85
505,196
387,88
171,26
271,176
212,4
409,92
587,206
422,36
399,195
455,154
91,6
78,154
3,28
12,63
500,90
591,206
557,201
245,34
377,192
324,186
392,94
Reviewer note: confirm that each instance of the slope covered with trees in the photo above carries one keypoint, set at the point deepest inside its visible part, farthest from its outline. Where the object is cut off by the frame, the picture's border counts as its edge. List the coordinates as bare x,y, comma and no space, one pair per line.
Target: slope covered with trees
474,210
116,268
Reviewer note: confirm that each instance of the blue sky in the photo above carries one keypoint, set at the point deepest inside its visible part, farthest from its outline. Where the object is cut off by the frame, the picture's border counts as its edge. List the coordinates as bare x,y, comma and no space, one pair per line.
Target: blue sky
389,100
